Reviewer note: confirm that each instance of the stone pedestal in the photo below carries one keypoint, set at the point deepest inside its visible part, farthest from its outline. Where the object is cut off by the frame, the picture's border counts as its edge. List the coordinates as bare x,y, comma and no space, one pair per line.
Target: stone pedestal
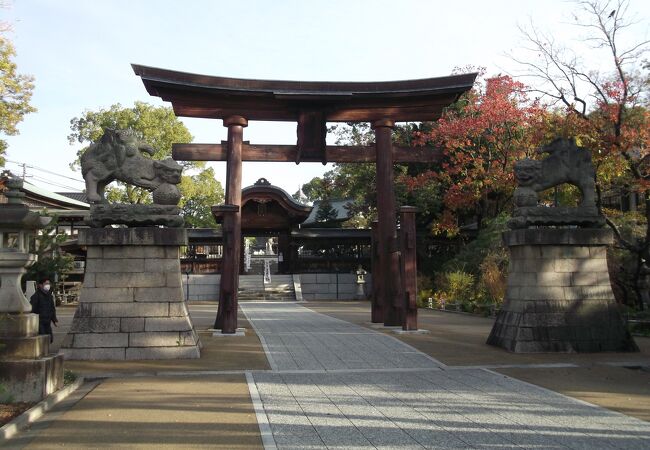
27,370
131,305
559,297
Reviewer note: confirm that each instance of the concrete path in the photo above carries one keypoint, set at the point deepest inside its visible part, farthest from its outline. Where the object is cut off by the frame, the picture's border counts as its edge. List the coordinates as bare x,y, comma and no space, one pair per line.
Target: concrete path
338,385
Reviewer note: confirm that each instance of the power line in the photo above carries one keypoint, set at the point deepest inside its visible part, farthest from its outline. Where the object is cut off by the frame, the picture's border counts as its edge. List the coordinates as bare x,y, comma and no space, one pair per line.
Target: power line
52,183
23,165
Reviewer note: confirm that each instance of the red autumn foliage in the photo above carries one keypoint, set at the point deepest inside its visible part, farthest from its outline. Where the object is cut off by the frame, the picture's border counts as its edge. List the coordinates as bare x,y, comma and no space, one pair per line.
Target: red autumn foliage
481,137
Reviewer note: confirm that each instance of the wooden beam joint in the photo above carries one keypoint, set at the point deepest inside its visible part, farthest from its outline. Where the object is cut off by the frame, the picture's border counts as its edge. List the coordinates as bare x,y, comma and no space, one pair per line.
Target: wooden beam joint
312,134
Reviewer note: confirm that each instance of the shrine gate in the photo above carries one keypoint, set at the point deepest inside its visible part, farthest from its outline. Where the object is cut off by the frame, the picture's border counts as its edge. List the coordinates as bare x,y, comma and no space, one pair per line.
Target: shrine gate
312,104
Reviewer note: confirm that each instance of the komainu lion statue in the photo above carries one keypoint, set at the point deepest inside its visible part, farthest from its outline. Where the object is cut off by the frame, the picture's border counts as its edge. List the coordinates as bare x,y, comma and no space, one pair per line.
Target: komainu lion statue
566,163
118,156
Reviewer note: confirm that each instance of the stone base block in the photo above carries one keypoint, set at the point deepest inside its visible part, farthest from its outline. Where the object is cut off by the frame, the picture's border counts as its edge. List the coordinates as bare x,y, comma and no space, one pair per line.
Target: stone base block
18,325
559,297
32,347
418,331
31,380
134,236
134,215
113,338
564,327
381,326
131,303
94,354
239,332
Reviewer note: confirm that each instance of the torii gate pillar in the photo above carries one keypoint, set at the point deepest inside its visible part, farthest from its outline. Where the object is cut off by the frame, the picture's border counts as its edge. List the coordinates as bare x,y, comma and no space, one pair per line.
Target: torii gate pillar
389,257
227,314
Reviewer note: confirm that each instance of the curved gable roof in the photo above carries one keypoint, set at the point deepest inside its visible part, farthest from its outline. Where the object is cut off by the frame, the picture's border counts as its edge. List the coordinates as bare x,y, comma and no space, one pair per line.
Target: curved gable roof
263,189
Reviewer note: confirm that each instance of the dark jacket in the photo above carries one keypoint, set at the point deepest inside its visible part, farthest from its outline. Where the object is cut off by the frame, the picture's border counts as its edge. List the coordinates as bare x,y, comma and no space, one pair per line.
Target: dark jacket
43,305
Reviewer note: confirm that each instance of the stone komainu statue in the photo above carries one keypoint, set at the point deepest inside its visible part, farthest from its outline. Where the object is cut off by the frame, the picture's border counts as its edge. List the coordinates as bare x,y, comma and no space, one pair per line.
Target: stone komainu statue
118,156
566,163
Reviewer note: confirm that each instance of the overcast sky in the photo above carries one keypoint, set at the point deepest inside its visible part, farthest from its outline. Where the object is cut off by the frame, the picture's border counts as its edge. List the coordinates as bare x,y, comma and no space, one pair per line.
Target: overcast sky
80,54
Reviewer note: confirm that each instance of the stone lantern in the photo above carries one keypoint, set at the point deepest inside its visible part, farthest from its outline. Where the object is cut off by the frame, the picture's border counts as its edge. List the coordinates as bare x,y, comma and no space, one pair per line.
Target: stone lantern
28,372
361,281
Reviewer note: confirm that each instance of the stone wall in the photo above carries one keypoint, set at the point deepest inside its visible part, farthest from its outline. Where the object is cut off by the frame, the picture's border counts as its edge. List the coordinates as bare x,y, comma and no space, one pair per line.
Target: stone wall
323,286
131,305
202,287
315,286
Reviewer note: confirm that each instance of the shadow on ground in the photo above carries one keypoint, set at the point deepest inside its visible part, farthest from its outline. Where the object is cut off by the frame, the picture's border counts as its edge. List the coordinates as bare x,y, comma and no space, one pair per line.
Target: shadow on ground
459,340
160,412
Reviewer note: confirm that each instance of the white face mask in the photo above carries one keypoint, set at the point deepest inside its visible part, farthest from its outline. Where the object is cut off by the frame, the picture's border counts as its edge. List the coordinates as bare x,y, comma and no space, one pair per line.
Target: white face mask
46,287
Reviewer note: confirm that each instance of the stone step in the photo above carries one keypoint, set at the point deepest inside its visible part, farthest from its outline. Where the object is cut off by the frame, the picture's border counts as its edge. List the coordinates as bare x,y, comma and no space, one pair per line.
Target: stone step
18,325
268,295
31,347
261,291
253,288
33,379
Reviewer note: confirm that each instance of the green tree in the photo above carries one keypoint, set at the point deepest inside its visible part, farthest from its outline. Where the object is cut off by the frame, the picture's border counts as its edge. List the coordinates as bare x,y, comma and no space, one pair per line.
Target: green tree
15,92
160,128
50,261
326,212
312,190
157,125
200,192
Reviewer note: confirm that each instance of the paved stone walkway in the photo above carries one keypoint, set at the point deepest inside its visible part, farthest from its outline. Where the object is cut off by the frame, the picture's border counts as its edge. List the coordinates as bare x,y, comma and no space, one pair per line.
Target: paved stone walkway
296,338
338,385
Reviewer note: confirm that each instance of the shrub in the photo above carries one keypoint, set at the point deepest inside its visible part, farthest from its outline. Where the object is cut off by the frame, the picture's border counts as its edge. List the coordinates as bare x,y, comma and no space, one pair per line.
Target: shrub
452,288
494,275
460,286
69,377
423,298
488,240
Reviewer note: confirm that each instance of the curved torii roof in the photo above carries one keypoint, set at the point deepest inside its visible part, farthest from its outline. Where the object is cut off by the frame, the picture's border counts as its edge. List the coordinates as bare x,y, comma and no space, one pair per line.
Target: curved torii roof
215,97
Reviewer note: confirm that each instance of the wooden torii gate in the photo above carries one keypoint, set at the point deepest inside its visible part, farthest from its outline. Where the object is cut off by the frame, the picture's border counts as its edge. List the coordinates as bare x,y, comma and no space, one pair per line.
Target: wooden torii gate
312,105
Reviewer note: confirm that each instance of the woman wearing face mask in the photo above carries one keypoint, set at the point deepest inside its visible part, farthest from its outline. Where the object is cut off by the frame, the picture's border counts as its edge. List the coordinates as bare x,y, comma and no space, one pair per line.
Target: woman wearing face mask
43,304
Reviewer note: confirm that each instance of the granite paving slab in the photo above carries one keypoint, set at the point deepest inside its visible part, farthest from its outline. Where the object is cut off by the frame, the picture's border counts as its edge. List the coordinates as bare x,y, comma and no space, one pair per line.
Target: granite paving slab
338,385
296,338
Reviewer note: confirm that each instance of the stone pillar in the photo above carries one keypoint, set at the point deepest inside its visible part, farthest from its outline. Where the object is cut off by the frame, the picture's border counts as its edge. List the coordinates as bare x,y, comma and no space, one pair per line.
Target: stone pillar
227,313
559,297
408,267
131,305
387,228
